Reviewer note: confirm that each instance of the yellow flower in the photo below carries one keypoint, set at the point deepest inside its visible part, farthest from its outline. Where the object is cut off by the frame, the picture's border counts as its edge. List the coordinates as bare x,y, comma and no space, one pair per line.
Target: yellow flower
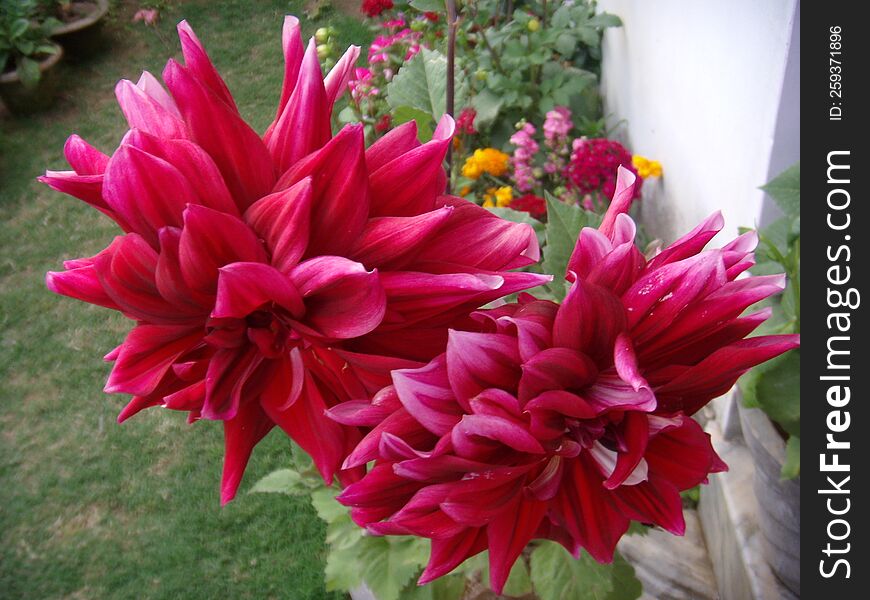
488,203
485,160
503,196
464,191
646,167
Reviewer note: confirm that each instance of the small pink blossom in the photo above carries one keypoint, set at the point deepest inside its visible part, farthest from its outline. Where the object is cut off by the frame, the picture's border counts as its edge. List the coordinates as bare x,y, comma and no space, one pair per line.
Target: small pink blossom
523,156
149,16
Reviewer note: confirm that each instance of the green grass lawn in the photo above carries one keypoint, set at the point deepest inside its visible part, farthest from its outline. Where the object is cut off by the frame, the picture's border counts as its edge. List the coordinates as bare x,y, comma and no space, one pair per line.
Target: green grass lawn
88,508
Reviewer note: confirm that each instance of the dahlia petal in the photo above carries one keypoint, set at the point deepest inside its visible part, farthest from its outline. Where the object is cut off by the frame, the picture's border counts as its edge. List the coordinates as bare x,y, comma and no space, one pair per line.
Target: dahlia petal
305,421
84,158
291,44
555,369
381,487
189,398
241,434
426,394
338,77
282,220
691,243
155,90
362,413
169,278
546,485
197,61
136,405
146,355
393,242
193,163
448,553
624,230
87,188
562,402
682,455
210,240
341,203
437,469
507,536
610,392
499,429
533,323
285,380
589,320
715,375
619,269
498,243
477,361
409,184
245,287
228,372
394,144
622,199
398,423
303,126
625,362
214,125
342,299
585,509
591,248
146,191
82,284
495,402
147,114
634,435
654,501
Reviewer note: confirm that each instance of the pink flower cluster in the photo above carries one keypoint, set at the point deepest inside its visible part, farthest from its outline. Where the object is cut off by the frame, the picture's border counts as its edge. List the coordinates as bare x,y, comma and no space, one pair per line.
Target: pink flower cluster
593,166
407,40
557,126
526,149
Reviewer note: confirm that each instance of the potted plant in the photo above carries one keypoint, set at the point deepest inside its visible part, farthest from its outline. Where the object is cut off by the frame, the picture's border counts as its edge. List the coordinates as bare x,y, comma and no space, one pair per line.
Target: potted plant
27,57
770,414
81,25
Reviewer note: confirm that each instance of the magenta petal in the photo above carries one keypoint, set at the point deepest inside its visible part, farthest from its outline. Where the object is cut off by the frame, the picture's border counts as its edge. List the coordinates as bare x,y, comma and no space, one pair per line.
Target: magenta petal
147,114
555,369
228,372
210,240
682,455
499,429
498,244
477,361
169,278
282,220
284,380
621,201
305,421
200,65
691,243
241,434
610,392
409,184
81,283
634,436
338,77
393,242
591,248
394,144
146,355
362,413
146,191
562,402
237,150
448,553
342,299
341,192
291,43
426,394
303,126
84,158
589,320
245,287
625,362
654,501
507,536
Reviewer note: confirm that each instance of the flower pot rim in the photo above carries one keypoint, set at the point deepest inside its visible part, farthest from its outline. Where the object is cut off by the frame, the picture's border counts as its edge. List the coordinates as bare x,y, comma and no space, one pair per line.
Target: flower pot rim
86,21
44,65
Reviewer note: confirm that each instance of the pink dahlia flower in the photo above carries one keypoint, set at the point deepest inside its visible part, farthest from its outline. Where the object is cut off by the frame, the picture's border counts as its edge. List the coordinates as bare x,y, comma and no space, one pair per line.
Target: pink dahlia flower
566,422
273,277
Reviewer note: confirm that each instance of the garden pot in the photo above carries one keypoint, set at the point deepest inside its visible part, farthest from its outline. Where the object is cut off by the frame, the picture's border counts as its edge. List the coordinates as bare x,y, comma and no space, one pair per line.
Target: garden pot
21,100
779,500
82,35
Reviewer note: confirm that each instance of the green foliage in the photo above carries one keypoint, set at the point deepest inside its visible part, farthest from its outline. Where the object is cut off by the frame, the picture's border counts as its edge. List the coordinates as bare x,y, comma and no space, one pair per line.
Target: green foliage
775,385
24,39
557,575
421,84
564,222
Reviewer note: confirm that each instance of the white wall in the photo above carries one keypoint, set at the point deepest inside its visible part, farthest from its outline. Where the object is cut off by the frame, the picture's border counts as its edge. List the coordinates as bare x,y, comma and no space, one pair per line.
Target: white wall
704,88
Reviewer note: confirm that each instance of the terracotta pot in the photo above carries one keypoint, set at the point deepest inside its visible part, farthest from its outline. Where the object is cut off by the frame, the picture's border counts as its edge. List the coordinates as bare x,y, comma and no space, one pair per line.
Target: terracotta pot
779,501
21,100
83,36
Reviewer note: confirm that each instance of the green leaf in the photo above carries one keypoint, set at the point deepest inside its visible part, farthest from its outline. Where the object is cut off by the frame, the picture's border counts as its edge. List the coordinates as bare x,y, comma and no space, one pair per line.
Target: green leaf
792,466
449,587
18,28
564,222
565,44
785,189
403,114
487,104
389,563
282,481
428,5
557,575
327,507
774,386
605,20
28,72
421,83
517,216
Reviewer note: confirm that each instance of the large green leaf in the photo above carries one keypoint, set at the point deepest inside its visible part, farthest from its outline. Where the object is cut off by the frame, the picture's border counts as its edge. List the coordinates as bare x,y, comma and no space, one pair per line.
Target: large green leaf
774,387
785,189
487,104
282,481
421,83
403,114
428,5
449,587
564,222
557,575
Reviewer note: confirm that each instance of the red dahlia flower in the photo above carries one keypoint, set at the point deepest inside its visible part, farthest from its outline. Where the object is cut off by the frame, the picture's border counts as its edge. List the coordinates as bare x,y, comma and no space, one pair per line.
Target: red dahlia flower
272,278
374,8
566,422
